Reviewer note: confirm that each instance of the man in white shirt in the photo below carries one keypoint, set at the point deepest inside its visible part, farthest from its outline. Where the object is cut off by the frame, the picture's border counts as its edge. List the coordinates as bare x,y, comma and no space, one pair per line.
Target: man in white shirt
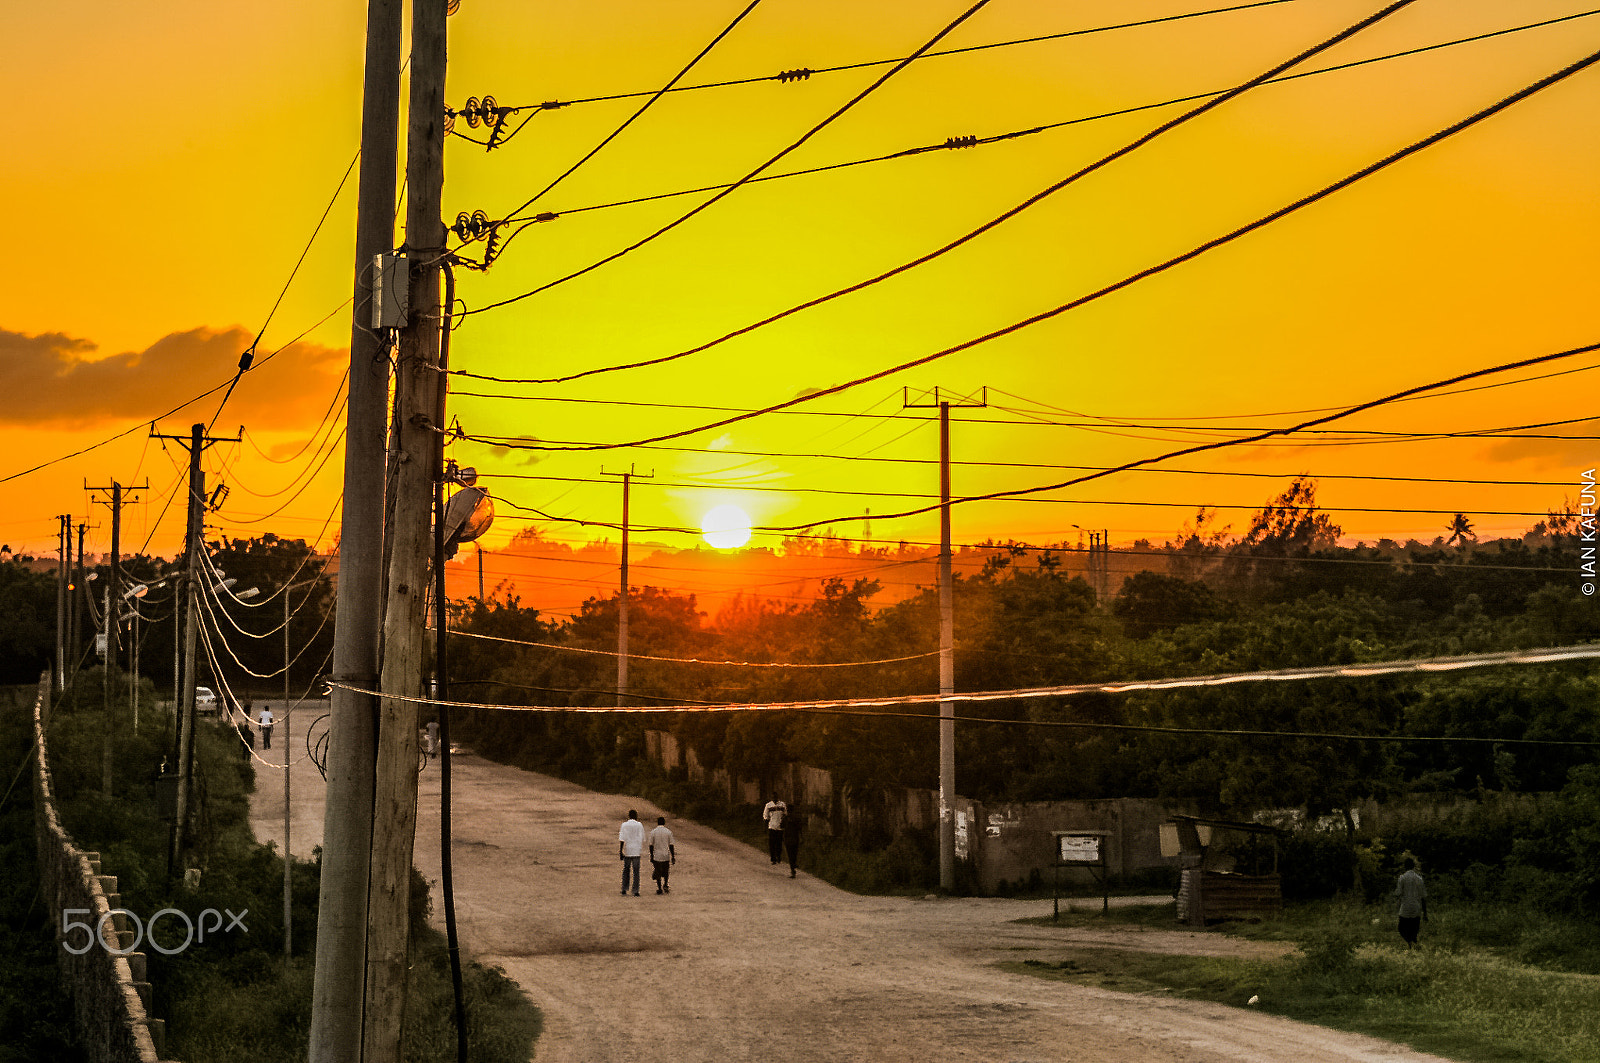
773,813
662,855
630,844
266,722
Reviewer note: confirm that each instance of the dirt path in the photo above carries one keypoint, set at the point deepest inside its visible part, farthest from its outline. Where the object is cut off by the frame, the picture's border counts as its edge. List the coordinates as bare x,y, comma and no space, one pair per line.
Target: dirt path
740,962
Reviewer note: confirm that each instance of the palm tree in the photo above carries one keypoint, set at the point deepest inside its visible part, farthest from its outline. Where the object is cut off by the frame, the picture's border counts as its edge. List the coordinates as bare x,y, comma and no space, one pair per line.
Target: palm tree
1460,530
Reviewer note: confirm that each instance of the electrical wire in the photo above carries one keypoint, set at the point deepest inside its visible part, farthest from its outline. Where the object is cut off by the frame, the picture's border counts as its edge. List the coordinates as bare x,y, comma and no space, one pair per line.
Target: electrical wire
960,143
840,706
813,131
806,73
1100,163
690,660
636,114
1131,279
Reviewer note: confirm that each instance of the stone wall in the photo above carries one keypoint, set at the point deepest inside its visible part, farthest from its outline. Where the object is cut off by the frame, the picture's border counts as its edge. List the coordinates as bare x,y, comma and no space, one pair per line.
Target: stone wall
110,994
1003,842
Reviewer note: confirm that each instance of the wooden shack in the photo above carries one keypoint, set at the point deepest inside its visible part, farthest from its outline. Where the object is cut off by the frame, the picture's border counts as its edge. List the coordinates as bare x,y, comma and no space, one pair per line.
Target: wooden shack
1229,870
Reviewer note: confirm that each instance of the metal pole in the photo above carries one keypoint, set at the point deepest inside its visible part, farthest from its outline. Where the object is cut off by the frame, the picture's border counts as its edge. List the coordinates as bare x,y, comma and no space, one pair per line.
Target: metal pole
61,600
338,989
184,697
76,609
947,668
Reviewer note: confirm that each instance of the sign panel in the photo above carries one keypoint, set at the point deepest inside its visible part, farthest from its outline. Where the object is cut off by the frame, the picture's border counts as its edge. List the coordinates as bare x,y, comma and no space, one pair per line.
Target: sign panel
1078,848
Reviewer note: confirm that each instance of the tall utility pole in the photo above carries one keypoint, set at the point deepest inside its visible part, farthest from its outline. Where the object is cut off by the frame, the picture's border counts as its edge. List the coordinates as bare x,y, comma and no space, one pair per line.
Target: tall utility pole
622,596
337,990
410,541
113,600
187,604
947,639
482,601
63,546
75,608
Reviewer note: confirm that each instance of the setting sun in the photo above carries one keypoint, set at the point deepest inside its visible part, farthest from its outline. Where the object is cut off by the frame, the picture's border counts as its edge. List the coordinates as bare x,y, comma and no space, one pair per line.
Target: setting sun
726,527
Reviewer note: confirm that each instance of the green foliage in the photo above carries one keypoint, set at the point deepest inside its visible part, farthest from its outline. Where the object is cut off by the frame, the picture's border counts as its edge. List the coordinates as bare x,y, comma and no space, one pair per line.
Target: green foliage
27,621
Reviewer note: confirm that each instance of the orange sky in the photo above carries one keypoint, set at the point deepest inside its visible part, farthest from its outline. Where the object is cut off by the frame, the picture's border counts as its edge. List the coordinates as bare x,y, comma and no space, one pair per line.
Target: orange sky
169,163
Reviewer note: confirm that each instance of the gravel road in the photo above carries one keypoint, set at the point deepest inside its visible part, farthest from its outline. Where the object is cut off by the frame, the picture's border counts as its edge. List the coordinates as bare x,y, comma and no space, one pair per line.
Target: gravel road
740,962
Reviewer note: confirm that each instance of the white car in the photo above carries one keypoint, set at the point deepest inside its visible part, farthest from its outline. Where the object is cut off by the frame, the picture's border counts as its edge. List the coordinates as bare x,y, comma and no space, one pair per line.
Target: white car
204,700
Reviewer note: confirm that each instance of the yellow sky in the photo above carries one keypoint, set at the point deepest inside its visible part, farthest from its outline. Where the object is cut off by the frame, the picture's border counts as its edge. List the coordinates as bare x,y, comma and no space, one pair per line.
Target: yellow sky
168,164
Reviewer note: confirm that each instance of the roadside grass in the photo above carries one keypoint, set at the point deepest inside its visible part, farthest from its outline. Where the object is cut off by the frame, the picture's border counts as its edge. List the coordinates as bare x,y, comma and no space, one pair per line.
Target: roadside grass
232,998
1467,994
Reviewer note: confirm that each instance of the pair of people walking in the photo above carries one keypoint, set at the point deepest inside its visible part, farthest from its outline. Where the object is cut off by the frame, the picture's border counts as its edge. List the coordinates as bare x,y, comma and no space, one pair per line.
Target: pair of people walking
630,848
783,833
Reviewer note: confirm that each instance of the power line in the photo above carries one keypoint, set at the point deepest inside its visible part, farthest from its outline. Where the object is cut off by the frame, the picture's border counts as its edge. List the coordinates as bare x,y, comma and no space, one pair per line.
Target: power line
1053,501
806,73
693,660
1098,164
1081,468
959,143
1221,444
1036,422
645,107
813,131
1352,671
1263,221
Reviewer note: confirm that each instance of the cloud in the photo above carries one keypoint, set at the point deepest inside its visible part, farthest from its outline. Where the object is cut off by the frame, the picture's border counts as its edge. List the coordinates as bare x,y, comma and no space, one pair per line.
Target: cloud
516,456
54,379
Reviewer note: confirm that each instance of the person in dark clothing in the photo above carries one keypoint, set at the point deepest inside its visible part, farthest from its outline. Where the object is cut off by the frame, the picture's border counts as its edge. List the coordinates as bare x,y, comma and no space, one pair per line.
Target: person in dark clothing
792,823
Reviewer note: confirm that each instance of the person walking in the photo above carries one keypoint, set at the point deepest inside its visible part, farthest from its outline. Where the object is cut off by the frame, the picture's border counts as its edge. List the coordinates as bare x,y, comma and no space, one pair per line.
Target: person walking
630,843
1413,901
266,721
792,822
433,738
773,813
662,855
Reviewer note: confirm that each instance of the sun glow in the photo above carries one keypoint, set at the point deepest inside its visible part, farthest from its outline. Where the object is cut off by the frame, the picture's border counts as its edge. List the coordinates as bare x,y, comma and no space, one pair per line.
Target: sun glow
726,527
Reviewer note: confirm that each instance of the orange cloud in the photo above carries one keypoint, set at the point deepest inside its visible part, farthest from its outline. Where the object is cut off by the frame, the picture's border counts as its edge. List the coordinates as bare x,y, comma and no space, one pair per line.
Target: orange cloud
54,379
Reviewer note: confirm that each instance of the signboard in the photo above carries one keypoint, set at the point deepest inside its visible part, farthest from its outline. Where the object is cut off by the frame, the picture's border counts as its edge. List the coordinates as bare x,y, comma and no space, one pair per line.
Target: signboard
1078,848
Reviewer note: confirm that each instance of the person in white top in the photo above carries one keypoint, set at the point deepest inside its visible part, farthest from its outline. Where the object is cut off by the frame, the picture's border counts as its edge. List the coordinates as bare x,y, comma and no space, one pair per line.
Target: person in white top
662,855
266,722
630,844
773,814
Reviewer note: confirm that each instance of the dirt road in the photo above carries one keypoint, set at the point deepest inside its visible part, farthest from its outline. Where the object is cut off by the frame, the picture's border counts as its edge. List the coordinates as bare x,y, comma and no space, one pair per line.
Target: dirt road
740,962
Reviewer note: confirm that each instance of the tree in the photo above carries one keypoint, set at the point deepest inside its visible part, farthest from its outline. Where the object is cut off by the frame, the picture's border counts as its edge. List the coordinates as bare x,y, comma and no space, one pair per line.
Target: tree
1290,525
1460,530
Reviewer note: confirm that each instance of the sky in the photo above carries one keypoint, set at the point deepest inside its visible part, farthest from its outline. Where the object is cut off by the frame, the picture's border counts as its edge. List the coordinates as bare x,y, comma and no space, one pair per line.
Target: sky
170,164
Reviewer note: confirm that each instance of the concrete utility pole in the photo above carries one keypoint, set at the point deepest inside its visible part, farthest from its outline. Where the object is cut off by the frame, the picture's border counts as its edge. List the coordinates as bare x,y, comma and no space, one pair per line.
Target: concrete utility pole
410,539
188,605
337,991
113,599
622,595
947,641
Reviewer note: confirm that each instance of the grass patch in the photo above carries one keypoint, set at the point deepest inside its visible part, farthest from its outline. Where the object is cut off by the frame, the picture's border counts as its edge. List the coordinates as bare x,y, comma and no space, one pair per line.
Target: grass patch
1468,994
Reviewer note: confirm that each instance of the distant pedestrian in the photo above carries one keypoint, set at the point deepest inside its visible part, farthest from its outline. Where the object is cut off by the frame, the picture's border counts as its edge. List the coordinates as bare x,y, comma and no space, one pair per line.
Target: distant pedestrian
773,813
793,821
266,721
662,855
1413,901
247,736
630,843
433,738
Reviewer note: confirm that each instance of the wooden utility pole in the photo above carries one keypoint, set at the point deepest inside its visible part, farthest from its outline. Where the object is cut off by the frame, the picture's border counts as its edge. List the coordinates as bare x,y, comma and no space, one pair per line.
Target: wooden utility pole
622,594
76,609
113,600
63,545
410,539
337,990
947,640
187,604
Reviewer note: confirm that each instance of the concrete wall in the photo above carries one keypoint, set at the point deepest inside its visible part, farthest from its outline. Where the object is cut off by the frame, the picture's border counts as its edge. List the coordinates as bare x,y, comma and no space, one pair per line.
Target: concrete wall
1004,842
110,995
